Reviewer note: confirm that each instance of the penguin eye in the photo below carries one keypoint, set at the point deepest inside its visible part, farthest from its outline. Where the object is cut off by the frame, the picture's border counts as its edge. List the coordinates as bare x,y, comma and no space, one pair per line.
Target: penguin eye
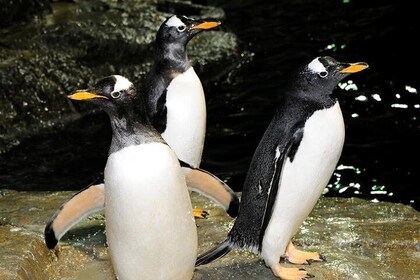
181,28
116,94
323,74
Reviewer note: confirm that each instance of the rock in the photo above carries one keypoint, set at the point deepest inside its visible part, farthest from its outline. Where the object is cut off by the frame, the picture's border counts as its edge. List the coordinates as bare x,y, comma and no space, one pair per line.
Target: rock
361,240
15,11
79,42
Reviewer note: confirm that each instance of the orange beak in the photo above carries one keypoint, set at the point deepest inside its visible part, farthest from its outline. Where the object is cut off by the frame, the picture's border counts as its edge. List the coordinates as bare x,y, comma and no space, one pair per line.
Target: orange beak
84,95
354,67
206,25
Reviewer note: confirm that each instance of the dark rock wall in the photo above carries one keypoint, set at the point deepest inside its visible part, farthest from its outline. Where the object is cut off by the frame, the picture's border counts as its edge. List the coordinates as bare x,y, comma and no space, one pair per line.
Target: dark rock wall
16,11
76,43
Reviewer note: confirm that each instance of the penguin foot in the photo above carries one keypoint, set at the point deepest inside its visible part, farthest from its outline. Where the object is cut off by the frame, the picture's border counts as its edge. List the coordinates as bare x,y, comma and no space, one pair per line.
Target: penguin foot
296,256
290,273
200,214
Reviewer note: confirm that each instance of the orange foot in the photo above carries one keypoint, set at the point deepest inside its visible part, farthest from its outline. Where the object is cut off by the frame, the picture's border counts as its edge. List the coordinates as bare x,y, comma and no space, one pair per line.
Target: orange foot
290,273
200,214
296,256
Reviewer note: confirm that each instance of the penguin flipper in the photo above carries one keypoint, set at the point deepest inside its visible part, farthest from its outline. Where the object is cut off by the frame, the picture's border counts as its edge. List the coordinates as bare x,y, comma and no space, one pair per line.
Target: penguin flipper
282,153
84,203
214,253
209,185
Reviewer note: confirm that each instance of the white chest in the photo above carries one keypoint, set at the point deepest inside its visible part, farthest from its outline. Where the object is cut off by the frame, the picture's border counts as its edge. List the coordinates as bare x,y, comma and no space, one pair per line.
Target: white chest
149,214
186,117
303,180
318,152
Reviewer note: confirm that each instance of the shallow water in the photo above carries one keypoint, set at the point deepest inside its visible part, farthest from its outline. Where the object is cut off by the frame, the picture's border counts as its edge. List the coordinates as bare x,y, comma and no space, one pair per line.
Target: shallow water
380,105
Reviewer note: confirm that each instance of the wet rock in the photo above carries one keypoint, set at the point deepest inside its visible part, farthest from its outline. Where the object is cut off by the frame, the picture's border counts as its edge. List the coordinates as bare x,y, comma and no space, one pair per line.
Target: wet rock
42,61
14,11
361,240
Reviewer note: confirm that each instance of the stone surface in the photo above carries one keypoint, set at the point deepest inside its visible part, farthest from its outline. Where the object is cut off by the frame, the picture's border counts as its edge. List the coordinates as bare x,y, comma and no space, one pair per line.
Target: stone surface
361,240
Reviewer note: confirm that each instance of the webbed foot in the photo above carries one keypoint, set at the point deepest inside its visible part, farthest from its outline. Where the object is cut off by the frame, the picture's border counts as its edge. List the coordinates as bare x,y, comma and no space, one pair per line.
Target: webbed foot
200,214
290,273
296,256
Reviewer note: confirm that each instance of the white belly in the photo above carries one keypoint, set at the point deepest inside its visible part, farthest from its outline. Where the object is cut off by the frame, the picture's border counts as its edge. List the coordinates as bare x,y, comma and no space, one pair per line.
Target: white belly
303,179
150,229
186,117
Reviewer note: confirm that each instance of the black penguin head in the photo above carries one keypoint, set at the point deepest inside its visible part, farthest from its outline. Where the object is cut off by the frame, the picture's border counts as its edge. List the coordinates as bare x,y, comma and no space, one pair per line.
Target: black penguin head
180,29
112,93
324,73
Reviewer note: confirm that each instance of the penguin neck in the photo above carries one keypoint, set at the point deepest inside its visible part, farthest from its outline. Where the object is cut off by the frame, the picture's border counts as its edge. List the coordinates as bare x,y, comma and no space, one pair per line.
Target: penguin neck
320,98
170,61
315,93
173,58
131,127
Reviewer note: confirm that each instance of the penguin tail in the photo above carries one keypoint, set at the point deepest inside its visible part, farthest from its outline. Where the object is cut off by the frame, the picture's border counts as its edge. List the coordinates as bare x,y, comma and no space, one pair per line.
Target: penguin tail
215,253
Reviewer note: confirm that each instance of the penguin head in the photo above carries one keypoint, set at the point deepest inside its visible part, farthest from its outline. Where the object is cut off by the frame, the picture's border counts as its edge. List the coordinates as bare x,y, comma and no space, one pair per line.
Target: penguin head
111,93
179,29
324,73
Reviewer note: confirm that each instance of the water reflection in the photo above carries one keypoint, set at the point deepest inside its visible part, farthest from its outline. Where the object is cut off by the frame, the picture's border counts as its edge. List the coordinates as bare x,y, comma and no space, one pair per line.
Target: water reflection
410,89
361,98
349,85
377,97
333,47
402,106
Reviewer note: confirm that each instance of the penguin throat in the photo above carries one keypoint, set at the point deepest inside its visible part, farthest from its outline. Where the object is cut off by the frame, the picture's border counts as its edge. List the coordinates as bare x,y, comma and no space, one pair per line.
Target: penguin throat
130,132
126,118
174,59
322,96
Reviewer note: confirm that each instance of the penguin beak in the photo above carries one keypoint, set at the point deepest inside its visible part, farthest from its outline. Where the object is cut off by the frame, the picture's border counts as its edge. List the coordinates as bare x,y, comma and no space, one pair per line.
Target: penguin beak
85,95
354,67
206,25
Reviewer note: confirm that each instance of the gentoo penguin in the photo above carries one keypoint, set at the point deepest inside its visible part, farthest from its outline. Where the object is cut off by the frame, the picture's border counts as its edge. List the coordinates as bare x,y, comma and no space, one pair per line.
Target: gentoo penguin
290,168
143,179
176,106
176,101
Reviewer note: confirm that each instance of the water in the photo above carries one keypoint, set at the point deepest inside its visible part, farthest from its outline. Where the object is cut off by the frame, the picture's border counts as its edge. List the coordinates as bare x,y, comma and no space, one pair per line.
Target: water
380,105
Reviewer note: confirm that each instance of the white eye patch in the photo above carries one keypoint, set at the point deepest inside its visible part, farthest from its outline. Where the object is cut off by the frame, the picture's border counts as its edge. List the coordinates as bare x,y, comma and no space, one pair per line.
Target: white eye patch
174,21
316,66
122,83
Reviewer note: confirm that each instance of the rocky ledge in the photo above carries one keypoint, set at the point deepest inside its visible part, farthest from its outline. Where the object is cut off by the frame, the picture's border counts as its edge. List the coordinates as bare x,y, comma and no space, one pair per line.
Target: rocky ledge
361,240
71,44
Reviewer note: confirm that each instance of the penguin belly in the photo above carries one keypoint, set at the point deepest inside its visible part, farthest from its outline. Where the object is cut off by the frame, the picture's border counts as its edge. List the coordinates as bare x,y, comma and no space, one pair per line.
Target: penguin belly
303,180
150,229
186,117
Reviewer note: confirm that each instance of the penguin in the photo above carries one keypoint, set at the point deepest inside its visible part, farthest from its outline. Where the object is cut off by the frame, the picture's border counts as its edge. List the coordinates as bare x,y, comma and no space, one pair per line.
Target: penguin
177,107
143,178
291,166
176,101
175,104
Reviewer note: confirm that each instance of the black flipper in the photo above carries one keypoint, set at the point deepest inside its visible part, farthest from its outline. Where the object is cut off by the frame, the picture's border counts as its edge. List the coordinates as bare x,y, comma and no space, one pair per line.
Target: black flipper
49,235
215,253
282,153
